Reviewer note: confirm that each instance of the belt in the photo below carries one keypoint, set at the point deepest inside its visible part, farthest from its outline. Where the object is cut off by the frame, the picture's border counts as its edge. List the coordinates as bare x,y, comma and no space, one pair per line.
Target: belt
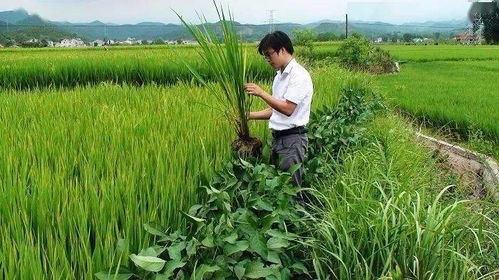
294,130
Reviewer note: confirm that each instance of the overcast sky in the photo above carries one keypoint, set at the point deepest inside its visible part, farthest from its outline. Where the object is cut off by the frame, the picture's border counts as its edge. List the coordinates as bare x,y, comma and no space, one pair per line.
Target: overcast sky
254,11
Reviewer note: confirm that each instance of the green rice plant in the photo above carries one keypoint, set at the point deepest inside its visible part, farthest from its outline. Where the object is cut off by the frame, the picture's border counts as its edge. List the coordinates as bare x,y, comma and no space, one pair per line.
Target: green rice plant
460,95
82,169
228,60
42,68
416,53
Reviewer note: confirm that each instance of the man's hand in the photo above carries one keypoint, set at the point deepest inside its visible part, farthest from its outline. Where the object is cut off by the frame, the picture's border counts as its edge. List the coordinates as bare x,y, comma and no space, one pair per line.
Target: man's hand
285,107
254,89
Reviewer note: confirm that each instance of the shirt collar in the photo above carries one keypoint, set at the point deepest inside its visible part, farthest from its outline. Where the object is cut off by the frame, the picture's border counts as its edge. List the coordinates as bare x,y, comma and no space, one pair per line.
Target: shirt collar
288,68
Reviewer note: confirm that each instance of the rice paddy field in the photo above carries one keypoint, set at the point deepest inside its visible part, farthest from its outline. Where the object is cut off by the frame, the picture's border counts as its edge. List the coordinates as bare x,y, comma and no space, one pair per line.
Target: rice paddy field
94,144
162,65
467,93
460,96
87,165
422,53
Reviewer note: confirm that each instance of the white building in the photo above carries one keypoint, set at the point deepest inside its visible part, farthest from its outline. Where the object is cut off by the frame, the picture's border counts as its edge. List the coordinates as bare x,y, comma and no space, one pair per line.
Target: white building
378,40
97,43
70,43
128,41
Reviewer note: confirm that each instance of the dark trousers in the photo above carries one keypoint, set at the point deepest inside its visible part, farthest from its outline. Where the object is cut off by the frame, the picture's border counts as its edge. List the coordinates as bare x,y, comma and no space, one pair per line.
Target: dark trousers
289,150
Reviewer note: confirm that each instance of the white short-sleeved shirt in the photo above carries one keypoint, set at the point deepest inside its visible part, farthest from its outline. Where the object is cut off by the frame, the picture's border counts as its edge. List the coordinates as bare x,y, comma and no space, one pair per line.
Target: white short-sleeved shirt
293,84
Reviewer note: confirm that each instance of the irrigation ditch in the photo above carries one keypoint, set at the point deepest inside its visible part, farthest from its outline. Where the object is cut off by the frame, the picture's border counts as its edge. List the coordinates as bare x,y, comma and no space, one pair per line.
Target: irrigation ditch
484,169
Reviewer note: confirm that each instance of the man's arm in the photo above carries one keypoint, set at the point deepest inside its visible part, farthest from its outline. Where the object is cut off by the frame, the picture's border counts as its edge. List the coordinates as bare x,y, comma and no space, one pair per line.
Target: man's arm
285,107
261,115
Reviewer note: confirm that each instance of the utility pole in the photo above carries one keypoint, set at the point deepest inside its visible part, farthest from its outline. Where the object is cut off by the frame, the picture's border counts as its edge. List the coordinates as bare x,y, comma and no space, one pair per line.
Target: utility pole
346,25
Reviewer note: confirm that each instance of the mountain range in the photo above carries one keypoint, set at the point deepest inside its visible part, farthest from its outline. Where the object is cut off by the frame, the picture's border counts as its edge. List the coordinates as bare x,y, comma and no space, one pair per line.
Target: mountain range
20,21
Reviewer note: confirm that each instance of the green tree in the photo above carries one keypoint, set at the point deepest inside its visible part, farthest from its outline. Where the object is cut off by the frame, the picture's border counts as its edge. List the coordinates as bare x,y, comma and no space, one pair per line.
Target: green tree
437,35
487,16
327,36
158,42
305,38
408,37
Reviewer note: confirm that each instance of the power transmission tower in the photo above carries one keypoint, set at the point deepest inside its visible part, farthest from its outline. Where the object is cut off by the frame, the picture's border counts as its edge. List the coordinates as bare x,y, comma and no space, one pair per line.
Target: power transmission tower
271,20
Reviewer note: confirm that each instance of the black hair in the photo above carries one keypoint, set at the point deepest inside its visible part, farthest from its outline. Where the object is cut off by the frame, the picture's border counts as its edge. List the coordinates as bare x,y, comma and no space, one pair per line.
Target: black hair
276,40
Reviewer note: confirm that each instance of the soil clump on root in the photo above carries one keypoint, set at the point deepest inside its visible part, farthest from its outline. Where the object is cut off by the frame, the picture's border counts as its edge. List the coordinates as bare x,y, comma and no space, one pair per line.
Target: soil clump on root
247,147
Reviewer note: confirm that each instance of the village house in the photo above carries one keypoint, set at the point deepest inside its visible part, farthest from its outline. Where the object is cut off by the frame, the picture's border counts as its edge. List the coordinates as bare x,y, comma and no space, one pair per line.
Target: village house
378,40
128,41
97,43
32,41
466,39
69,43
1,46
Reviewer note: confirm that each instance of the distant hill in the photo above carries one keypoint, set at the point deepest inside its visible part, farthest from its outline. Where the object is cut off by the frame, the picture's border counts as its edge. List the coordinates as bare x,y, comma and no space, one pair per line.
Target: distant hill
21,19
13,16
48,33
32,20
20,27
151,23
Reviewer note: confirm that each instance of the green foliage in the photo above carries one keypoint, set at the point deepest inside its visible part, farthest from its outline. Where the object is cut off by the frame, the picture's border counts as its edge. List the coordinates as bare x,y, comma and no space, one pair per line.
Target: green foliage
334,129
247,227
382,215
485,15
357,53
305,38
251,225
21,35
158,41
328,36
354,51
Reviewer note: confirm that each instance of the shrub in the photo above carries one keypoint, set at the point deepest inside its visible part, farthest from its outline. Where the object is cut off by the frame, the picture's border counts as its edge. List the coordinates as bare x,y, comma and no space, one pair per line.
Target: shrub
356,53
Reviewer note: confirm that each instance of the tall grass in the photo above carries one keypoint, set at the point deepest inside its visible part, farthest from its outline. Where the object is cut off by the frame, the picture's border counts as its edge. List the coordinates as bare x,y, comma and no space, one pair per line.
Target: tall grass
380,216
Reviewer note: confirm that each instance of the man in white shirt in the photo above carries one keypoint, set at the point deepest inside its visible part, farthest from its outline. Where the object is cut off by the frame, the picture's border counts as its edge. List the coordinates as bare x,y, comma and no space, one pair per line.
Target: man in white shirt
289,105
